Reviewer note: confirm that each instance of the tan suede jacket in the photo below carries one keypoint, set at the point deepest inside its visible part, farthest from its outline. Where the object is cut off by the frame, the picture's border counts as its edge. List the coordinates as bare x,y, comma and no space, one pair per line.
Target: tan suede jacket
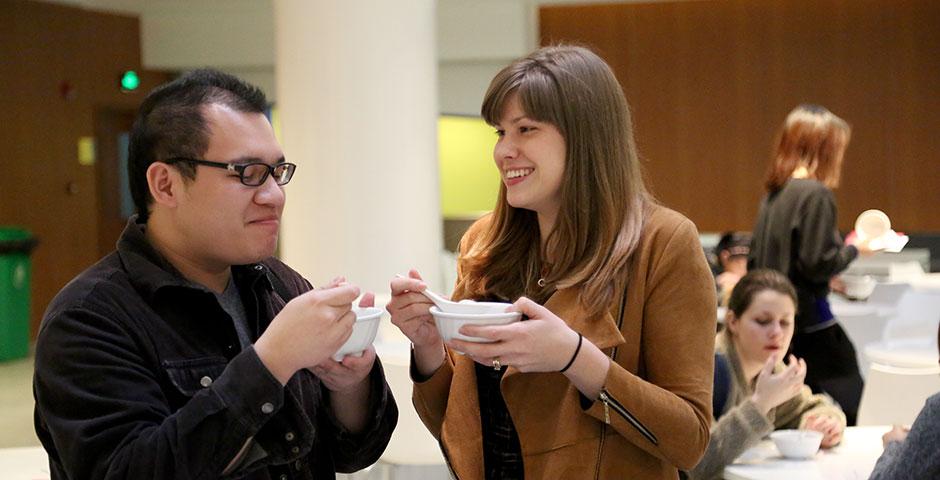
654,412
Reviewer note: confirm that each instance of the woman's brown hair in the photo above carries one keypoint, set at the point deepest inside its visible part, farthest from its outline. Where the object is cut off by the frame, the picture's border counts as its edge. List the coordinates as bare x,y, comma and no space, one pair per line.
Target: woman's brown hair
757,281
811,137
751,284
604,199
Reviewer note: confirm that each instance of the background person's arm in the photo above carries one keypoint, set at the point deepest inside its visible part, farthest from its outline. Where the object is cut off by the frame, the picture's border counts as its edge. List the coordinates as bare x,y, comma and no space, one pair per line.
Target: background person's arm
916,456
740,428
821,253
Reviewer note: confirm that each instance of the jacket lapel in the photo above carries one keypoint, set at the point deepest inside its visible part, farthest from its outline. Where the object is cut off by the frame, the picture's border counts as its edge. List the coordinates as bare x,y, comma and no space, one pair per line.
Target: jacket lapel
461,433
601,329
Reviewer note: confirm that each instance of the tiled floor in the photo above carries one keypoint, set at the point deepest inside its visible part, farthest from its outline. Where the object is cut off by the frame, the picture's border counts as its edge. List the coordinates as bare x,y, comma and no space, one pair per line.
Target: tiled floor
16,404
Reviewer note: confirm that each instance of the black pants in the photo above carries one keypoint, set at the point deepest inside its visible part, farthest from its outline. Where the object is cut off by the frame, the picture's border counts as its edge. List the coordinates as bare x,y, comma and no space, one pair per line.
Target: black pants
831,366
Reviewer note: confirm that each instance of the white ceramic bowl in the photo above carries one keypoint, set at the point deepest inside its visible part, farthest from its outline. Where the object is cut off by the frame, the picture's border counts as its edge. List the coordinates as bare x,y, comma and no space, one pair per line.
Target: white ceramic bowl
363,334
872,224
797,443
858,287
448,324
473,307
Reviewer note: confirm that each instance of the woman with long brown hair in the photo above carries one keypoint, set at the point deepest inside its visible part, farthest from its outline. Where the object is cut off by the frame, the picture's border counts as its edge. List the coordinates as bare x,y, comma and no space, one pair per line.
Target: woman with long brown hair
796,234
610,374
756,392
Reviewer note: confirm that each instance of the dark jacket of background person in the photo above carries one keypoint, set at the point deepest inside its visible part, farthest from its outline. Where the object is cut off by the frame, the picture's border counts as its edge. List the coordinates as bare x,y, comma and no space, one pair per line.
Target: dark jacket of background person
659,384
916,457
140,374
741,425
796,235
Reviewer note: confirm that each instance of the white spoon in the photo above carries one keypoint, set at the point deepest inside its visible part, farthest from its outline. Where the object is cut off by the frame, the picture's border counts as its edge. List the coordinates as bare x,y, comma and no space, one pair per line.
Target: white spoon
463,306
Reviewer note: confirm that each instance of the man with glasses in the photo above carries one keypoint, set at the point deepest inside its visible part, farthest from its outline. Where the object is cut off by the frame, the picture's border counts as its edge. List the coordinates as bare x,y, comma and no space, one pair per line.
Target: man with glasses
190,352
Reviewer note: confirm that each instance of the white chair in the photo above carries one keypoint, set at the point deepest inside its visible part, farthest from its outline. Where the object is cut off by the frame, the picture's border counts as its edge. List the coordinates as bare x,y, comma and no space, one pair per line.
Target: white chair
928,282
917,316
887,295
906,272
412,453
863,324
903,374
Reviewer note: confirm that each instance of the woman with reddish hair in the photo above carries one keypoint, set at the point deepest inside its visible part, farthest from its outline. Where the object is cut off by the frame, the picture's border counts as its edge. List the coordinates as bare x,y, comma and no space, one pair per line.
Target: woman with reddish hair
796,235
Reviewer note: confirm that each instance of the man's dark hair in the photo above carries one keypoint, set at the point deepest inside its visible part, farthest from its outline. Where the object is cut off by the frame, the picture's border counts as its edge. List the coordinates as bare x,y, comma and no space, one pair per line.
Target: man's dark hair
170,123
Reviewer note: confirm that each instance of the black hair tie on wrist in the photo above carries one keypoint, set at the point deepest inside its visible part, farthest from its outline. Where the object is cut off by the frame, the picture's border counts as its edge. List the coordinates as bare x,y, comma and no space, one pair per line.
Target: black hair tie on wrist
573,357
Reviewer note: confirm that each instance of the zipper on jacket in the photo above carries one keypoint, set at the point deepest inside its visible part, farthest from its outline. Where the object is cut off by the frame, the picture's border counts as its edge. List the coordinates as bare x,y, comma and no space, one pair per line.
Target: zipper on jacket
613,358
600,452
613,403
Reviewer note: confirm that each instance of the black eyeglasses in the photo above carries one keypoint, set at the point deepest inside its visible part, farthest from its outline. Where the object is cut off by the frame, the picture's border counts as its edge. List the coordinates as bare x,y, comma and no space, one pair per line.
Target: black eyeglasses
252,174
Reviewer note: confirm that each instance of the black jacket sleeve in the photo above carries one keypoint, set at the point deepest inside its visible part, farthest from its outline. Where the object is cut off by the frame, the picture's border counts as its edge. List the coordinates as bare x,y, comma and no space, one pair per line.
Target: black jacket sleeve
352,452
821,254
105,412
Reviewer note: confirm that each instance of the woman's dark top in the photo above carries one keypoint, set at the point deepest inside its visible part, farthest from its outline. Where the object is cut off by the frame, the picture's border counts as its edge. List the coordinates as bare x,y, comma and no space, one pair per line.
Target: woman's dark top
502,455
796,234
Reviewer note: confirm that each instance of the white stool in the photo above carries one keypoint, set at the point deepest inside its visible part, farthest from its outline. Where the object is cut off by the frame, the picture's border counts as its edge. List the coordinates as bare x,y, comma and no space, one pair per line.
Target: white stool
902,376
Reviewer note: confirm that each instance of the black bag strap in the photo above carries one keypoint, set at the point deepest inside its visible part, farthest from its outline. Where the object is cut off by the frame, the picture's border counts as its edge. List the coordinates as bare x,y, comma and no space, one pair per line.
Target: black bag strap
721,385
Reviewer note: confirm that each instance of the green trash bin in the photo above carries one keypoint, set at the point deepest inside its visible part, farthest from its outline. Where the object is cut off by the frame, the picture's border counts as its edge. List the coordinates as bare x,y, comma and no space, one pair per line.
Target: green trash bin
15,247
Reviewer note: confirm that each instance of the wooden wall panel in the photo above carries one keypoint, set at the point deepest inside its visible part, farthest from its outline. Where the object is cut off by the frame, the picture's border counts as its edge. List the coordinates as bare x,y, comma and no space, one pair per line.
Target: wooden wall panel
709,82
42,47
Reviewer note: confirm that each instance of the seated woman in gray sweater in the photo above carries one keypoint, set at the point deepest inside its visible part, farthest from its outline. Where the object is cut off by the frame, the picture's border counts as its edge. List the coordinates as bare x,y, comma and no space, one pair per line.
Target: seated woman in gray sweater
755,391
912,453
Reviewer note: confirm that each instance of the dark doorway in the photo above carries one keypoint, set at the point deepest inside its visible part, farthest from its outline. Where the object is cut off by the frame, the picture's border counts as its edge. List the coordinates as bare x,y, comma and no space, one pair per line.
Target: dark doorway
112,128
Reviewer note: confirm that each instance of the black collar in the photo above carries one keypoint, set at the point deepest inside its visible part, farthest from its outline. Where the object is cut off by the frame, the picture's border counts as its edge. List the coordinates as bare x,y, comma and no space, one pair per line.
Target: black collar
151,273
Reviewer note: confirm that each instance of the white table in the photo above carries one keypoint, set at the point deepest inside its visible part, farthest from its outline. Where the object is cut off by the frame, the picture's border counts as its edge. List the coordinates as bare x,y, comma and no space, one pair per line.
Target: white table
854,458
24,463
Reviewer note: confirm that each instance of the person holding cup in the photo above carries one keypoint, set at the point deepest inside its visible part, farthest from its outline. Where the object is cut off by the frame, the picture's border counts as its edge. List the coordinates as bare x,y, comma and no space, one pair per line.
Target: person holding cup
796,234
761,393
609,374
190,351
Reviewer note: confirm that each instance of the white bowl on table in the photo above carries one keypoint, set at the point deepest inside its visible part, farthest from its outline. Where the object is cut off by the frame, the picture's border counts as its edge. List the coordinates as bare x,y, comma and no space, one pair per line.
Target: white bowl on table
858,287
449,323
797,443
363,334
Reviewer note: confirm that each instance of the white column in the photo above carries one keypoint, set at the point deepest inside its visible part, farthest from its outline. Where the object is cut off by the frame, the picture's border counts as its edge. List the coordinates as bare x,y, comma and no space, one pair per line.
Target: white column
357,102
